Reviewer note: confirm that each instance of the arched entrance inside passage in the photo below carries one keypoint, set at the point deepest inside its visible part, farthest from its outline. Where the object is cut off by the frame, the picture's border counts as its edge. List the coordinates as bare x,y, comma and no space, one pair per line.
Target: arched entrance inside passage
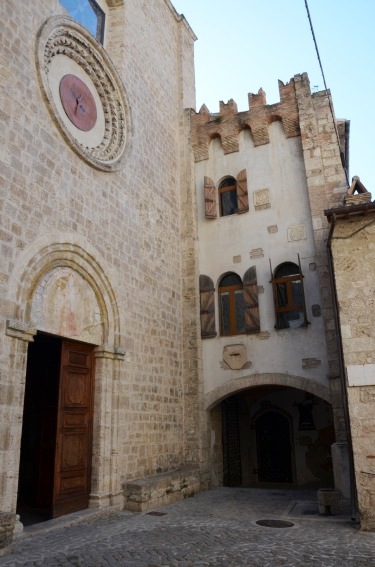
68,304
272,435
274,446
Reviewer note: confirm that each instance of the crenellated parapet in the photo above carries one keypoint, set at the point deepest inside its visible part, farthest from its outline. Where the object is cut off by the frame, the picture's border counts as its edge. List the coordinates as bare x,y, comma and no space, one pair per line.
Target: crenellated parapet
228,122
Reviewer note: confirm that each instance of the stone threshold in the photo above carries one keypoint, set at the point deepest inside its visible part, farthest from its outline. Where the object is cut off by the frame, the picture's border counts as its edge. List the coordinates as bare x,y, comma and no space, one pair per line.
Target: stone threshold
66,521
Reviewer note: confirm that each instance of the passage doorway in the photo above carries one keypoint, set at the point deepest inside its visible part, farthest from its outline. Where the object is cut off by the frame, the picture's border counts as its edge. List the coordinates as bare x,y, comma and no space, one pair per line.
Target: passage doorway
56,445
274,448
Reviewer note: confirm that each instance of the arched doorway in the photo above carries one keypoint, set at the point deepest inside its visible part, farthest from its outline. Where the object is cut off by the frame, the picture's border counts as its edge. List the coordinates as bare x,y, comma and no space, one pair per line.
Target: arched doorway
56,442
274,447
62,292
272,435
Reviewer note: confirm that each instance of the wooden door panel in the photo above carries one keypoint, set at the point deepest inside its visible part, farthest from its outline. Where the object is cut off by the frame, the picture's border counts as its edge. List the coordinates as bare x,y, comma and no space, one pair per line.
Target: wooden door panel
76,389
74,430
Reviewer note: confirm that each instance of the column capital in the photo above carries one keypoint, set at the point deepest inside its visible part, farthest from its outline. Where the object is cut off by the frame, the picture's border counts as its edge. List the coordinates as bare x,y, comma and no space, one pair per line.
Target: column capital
110,351
20,330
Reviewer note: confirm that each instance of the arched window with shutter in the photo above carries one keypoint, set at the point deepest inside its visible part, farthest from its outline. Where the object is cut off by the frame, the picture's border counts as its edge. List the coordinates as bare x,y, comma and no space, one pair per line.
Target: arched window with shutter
228,197
231,305
207,307
289,297
233,195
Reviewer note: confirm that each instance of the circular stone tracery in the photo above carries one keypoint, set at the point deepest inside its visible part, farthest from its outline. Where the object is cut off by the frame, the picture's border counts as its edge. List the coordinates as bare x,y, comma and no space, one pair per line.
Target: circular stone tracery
63,39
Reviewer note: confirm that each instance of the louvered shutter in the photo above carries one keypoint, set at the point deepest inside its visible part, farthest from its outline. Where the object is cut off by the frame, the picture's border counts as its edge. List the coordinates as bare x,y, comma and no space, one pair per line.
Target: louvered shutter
242,196
209,198
207,305
250,291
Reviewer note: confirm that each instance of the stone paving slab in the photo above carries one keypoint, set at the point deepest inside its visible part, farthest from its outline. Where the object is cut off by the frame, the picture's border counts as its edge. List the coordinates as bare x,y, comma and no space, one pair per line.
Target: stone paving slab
213,529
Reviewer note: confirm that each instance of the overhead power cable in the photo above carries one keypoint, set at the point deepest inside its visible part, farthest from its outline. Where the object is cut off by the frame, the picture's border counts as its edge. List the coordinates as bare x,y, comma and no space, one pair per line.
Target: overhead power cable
326,89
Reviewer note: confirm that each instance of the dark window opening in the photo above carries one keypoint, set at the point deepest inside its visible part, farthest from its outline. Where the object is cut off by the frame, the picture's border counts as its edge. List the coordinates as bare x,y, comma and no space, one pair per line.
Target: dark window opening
228,197
289,297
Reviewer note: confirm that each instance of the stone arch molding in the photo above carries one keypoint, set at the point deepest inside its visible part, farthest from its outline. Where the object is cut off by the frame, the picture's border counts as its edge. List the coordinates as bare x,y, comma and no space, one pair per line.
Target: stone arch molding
66,49
54,280
239,384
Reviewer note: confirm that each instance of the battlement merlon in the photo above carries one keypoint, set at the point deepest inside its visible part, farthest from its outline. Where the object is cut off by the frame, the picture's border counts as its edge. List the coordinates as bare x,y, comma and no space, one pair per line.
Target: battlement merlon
228,122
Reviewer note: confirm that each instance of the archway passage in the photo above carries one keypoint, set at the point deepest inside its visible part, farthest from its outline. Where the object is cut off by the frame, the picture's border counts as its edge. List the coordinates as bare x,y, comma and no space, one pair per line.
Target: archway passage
56,445
272,435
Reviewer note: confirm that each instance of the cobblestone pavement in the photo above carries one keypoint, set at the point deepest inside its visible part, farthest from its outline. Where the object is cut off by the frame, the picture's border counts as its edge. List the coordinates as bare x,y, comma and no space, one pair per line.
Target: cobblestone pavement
214,529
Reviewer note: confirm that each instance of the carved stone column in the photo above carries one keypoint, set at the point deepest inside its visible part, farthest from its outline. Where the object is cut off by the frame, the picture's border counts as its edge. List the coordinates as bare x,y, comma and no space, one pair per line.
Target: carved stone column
11,412
106,489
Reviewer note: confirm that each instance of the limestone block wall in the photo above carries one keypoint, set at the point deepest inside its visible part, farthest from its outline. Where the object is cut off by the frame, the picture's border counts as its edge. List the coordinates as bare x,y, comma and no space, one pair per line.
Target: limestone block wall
124,230
354,265
326,184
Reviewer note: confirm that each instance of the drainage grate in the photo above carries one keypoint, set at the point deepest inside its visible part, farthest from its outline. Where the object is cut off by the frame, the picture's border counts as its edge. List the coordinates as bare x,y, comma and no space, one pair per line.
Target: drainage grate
274,523
156,513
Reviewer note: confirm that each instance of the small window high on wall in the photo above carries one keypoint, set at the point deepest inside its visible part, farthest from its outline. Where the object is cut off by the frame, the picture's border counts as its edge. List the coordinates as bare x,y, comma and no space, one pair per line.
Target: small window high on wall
289,298
228,197
89,14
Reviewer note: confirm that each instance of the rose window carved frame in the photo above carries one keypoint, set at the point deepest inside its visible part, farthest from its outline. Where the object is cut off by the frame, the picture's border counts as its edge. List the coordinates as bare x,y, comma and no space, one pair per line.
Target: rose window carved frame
62,39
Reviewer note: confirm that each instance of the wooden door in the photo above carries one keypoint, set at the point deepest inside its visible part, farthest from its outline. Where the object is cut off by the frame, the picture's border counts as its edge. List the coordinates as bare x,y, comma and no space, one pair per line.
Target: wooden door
74,430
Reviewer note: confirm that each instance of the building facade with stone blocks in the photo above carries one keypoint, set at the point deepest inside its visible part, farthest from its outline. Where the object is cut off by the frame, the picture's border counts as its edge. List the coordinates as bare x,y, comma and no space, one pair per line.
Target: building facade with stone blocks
269,350
351,245
100,379
166,319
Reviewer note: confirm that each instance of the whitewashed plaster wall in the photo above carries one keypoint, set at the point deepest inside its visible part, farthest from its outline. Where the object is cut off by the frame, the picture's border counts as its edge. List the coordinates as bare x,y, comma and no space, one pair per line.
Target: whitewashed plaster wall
278,167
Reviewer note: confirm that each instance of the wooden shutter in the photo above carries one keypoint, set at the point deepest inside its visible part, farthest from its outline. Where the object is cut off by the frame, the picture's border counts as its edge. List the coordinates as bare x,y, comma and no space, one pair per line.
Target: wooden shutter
250,291
209,198
207,303
303,290
242,196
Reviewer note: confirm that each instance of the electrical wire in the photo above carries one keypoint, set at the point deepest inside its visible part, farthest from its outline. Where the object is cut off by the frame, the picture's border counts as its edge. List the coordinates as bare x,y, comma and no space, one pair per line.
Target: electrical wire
326,89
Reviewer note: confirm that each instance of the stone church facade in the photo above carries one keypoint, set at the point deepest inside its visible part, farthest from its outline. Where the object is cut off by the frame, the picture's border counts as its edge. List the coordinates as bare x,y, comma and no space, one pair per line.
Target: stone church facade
164,279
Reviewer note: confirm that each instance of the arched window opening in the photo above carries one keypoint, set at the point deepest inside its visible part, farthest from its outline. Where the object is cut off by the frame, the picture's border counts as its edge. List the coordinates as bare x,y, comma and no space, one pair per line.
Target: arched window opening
89,14
289,297
228,197
231,305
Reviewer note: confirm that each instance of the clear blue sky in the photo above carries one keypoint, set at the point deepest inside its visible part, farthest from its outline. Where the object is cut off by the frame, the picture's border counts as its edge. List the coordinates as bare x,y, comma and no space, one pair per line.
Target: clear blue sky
247,44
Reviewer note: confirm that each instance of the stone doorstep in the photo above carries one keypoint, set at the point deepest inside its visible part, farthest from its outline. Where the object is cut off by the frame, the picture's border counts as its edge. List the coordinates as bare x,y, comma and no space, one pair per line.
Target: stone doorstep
161,489
65,521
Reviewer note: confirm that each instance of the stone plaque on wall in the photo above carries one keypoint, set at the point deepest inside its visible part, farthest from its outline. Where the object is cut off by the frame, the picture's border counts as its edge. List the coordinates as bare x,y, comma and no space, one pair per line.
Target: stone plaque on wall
235,358
256,253
297,233
65,304
262,199
361,374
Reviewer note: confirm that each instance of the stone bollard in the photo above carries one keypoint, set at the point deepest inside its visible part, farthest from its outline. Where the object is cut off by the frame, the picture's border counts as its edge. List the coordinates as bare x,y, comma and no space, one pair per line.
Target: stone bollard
328,501
7,521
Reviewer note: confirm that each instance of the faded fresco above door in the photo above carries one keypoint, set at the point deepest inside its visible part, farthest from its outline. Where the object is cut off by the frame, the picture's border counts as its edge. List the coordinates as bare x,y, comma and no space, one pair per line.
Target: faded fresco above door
65,304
